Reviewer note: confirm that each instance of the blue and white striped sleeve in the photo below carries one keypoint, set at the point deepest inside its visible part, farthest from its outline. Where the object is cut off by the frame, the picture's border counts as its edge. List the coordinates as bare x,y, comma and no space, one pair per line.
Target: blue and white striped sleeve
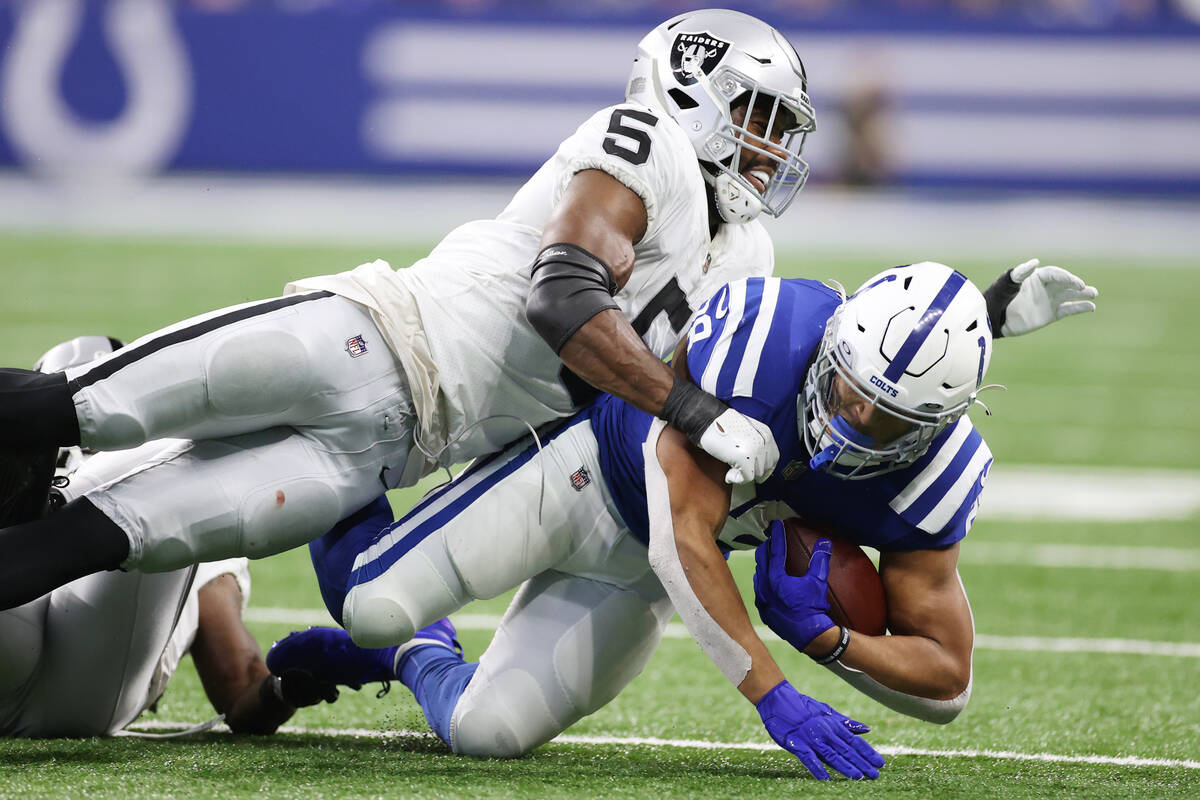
943,497
728,342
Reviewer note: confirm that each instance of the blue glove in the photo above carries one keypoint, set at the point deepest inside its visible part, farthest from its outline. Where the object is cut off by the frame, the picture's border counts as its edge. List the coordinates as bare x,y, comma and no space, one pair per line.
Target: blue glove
814,732
795,608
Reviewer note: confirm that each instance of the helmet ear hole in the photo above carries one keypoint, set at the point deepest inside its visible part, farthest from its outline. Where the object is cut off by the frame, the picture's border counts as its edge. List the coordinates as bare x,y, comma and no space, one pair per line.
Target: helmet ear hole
682,99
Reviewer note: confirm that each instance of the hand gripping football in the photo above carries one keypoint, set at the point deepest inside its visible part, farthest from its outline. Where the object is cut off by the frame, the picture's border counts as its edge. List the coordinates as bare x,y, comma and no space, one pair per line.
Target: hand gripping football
856,597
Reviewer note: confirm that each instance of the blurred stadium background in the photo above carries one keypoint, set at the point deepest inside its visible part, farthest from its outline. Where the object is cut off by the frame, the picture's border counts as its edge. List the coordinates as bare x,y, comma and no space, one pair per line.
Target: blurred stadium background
159,159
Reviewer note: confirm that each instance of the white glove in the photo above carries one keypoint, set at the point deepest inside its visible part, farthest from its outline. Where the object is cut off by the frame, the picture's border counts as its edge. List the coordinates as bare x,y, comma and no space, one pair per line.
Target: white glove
1047,294
745,444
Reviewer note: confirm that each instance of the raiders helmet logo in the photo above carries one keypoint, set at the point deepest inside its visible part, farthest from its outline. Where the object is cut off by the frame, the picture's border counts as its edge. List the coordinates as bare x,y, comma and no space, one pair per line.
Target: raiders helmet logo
695,54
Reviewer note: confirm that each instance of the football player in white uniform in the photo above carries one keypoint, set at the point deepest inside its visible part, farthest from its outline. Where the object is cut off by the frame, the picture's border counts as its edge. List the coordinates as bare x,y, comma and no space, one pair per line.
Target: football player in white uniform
89,657
611,523
295,412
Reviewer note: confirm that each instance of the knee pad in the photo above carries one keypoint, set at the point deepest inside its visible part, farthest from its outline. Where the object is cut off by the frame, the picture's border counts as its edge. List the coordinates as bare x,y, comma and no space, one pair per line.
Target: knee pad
282,517
377,620
269,521
416,591
256,371
506,716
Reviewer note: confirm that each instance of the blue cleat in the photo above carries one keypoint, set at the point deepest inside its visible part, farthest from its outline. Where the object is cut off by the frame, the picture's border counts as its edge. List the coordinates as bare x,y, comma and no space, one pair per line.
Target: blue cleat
329,656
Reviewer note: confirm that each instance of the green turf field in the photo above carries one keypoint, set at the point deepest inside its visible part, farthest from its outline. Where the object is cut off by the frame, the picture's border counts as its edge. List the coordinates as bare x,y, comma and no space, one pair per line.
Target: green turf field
1113,389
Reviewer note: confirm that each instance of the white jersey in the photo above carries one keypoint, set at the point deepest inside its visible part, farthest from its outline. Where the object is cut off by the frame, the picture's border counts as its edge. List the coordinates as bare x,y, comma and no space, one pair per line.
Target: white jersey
456,319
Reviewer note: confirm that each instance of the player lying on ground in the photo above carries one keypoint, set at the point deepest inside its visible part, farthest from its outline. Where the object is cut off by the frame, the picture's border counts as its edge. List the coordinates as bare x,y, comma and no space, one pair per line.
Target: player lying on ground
300,410
88,658
614,521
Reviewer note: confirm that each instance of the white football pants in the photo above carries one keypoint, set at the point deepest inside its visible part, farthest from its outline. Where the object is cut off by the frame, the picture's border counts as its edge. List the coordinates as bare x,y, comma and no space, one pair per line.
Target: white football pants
89,657
588,616
292,414
81,661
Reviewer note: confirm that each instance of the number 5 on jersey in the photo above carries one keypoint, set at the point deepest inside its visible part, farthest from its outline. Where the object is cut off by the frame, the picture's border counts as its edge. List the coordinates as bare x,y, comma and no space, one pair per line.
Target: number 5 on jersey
623,134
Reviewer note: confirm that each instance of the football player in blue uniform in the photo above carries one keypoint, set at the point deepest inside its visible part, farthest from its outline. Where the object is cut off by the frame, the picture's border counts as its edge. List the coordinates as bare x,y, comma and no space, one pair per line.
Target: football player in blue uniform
613,521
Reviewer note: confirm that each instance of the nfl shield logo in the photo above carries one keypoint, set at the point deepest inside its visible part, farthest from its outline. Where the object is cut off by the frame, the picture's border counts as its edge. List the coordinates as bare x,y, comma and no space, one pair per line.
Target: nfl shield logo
580,478
356,346
794,470
695,54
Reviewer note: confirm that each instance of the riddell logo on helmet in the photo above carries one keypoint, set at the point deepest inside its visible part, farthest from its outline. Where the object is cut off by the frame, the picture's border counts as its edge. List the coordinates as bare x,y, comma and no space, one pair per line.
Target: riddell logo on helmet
885,386
695,54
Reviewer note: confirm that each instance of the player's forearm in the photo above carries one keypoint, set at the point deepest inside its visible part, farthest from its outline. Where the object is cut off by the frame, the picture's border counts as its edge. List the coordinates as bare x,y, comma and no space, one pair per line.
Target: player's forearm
914,665
686,502
709,578
607,353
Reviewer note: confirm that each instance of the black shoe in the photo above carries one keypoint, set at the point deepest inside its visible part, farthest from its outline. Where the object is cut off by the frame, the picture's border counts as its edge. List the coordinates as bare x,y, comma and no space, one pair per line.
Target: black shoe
25,476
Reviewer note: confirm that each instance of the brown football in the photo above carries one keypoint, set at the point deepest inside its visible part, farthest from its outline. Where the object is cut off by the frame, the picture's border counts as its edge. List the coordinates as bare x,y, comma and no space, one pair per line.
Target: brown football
856,597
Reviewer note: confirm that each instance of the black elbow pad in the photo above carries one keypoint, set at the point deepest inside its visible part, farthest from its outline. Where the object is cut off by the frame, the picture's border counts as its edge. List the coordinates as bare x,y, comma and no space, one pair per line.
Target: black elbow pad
570,286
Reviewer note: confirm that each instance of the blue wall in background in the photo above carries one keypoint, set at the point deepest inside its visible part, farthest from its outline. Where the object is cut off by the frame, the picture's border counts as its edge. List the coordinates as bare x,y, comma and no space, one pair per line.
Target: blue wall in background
1017,99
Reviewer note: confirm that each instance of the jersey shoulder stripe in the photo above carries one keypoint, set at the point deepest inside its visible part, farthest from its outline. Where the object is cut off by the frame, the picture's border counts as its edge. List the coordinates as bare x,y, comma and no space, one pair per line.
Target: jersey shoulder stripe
756,340
729,339
724,316
945,479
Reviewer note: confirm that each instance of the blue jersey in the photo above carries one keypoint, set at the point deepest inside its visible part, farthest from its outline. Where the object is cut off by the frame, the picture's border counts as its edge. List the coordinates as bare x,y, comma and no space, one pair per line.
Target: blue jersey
751,345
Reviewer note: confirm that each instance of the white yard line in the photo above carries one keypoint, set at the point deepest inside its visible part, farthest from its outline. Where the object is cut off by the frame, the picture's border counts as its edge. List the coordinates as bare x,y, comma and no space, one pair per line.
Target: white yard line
675,630
1100,494
296,208
1169,559
701,744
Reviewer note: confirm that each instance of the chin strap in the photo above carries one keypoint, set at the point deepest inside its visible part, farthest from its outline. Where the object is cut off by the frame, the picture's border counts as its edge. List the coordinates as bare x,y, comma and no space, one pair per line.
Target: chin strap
840,432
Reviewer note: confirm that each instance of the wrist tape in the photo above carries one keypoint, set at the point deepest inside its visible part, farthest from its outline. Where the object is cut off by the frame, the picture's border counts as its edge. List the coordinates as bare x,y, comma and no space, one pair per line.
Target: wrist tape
691,409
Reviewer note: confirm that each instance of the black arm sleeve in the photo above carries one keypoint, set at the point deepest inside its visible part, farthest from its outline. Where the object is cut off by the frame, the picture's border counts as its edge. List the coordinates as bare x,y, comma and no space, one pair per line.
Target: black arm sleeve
570,286
998,296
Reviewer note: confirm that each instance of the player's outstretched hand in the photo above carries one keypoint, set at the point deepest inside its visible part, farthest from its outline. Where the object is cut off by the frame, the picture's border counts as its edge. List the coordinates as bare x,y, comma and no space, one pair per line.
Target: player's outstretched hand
796,608
815,733
745,444
1031,296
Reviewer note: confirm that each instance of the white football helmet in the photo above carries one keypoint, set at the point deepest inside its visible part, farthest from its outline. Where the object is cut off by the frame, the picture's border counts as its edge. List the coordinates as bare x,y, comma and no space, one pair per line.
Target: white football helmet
915,341
695,68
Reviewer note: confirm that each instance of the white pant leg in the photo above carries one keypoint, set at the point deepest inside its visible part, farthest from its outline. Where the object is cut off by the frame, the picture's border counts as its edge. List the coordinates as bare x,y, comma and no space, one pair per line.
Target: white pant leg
258,493
101,468
253,495
102,640
295,360
567,646
481,536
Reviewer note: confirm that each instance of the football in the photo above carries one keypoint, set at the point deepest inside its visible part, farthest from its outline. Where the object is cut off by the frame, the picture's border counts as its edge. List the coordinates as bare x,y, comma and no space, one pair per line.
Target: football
856,597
